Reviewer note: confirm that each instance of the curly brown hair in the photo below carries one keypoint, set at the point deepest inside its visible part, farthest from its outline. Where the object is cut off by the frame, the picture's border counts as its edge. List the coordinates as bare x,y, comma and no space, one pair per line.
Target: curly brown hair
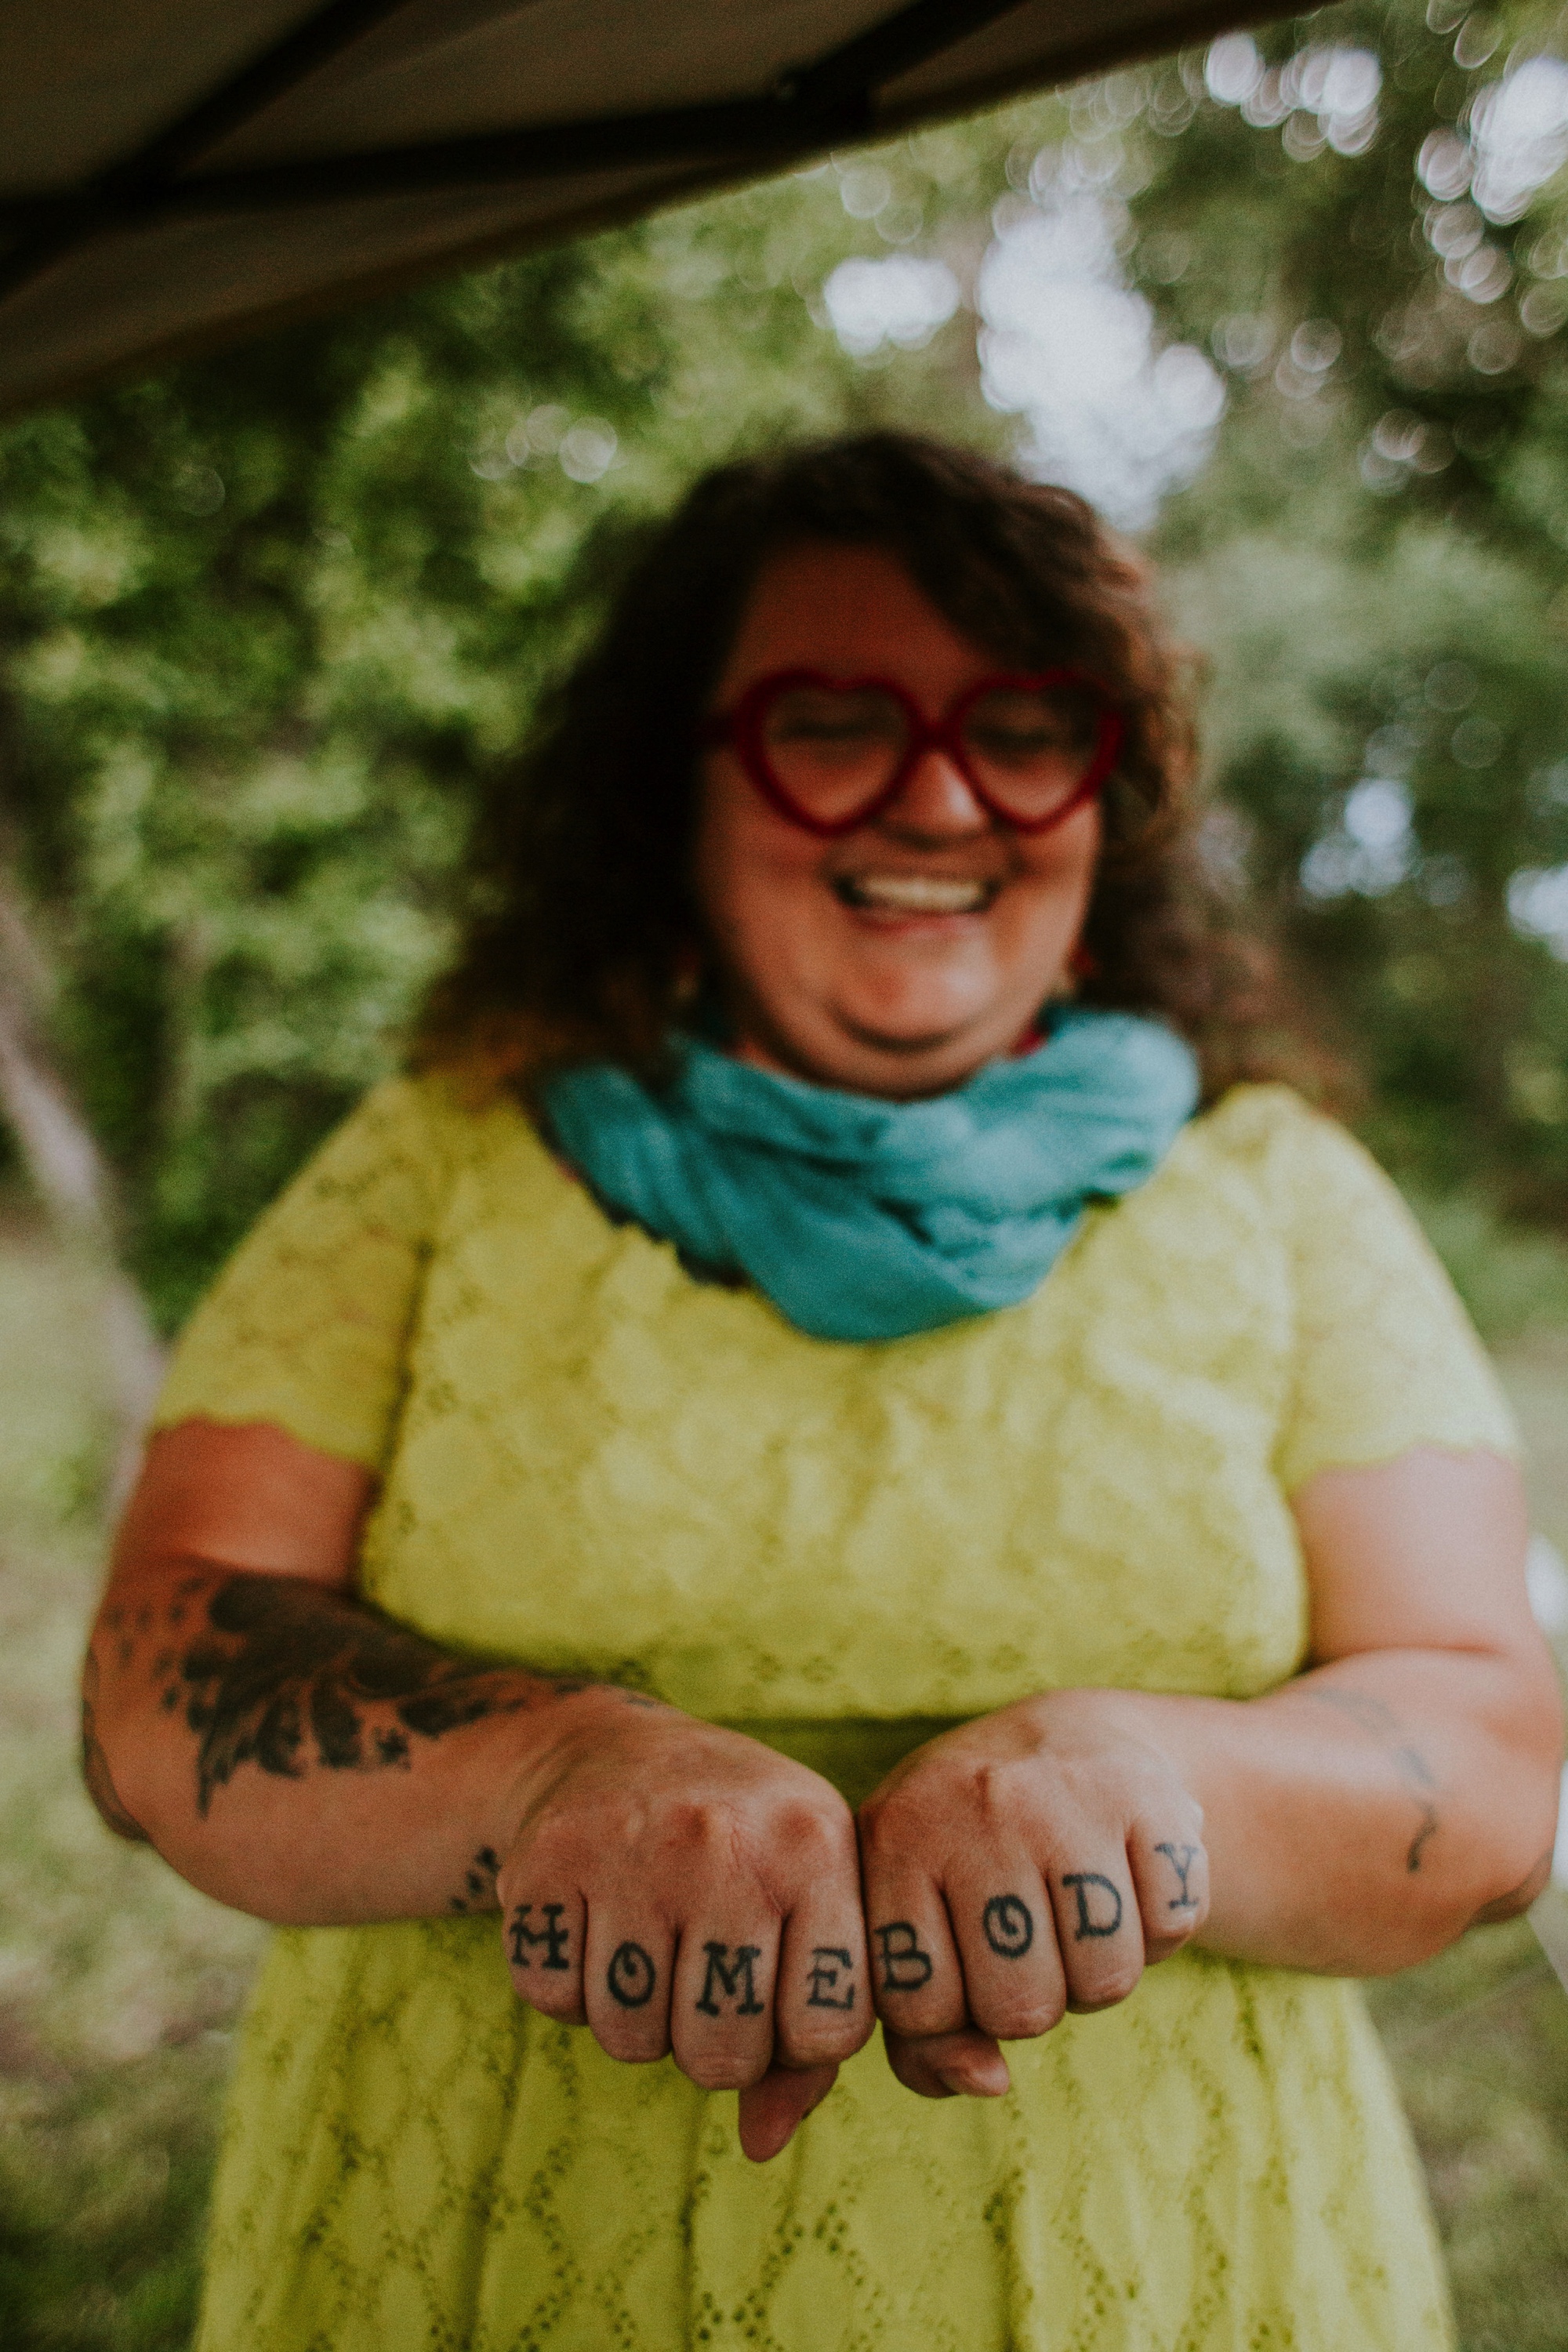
584,933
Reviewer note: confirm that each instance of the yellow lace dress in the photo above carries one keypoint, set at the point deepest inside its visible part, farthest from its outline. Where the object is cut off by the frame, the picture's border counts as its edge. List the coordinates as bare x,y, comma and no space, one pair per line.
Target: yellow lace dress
594,1463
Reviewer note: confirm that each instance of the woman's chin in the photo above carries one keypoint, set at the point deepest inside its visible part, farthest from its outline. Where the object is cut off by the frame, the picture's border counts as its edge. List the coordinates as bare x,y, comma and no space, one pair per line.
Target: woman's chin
921,1051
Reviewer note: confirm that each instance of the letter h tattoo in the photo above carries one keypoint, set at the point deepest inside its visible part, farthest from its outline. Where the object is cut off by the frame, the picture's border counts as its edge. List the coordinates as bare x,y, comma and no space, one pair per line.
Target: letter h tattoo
553,1936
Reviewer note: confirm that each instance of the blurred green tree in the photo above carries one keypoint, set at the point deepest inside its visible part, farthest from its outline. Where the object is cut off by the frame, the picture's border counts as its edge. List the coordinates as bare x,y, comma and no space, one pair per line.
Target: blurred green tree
1375,561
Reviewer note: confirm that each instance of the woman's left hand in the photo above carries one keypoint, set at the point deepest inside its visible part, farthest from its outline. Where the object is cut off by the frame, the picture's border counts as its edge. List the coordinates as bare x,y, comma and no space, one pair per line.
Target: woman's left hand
1031,1862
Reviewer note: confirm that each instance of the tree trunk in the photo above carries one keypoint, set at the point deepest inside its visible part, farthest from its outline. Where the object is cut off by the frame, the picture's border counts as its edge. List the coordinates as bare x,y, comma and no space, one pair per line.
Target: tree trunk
73,1182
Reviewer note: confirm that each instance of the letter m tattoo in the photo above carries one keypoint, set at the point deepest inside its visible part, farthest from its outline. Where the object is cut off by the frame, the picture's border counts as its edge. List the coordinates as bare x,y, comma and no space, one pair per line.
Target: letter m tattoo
733,1978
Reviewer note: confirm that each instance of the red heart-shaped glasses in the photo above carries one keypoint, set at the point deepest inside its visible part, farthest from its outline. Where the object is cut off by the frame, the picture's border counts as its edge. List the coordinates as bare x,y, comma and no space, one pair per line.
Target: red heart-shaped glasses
831,753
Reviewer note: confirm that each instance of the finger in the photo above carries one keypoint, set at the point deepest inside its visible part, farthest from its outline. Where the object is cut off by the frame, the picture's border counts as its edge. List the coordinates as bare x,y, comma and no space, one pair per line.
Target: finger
542,1934
966,2064
721,2005
771,2110
916,1978
628,1974
1014,1978
1098,1930
822,2010
1171,1874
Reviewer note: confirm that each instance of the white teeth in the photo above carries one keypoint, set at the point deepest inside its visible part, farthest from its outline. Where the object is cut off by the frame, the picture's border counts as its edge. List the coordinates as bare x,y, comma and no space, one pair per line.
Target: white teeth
919,894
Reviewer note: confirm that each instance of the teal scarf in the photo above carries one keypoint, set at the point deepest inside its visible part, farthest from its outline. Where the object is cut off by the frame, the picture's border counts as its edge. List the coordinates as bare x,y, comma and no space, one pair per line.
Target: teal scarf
863,1219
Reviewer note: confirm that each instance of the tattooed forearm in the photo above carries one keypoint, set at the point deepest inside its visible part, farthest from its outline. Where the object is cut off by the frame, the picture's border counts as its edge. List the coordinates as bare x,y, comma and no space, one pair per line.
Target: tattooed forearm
278,1673
95,1769
1380,1723
283,1676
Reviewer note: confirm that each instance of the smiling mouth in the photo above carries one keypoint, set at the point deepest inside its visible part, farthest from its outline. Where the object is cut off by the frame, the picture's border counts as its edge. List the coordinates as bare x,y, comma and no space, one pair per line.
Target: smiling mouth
915,894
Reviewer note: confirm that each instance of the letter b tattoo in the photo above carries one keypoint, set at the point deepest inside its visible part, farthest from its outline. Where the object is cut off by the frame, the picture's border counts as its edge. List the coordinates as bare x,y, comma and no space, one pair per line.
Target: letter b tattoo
905,1966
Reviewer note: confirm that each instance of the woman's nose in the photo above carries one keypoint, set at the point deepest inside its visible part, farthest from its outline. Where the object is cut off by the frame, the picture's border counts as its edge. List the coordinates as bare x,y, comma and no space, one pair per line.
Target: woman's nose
936,801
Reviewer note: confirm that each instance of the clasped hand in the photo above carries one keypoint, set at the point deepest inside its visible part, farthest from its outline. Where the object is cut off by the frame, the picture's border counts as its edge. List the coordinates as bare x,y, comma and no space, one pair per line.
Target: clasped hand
678,1887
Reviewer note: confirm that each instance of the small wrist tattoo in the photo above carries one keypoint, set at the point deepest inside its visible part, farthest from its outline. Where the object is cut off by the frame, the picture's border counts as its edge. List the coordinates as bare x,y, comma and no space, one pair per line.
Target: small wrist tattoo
479,1882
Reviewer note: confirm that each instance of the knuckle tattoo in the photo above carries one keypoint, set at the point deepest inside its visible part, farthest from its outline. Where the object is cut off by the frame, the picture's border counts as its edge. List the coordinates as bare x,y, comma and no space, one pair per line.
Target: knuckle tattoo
1008,1924
1181,1859
829,1962
906,1965
631,1976
553,1936
1100,1913
734,1978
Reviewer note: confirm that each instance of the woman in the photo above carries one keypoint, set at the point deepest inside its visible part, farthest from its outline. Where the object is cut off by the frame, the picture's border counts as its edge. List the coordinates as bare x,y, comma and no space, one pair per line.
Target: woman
784,1353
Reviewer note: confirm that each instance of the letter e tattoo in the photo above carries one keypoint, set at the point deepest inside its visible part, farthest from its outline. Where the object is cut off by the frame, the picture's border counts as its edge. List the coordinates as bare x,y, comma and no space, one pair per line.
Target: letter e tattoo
821,1978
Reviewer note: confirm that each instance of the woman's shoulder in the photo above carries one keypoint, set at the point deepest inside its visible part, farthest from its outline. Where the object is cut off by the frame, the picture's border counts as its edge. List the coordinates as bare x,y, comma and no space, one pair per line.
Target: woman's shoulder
1303,1162
1266,1156
427,1124
435,1109
1256,1122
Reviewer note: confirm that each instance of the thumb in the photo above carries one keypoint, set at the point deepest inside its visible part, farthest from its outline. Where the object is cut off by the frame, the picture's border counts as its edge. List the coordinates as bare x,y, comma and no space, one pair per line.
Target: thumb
948,2065
770,2109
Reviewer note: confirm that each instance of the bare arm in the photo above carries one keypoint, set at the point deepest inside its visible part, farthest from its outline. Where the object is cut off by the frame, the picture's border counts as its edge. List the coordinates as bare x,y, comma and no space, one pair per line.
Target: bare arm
1354,1821
288,1749
1406,1785
671,1884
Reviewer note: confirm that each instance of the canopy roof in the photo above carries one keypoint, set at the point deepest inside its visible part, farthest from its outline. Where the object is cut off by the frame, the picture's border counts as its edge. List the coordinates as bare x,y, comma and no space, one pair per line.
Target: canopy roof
175,172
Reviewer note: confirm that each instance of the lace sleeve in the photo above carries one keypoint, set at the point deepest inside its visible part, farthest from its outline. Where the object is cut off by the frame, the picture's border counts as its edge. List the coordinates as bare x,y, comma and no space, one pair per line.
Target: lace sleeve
1386,1359
306,1325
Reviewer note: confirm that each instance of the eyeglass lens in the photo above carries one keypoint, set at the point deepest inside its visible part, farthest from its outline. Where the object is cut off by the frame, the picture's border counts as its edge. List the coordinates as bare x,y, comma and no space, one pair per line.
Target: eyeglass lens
834,751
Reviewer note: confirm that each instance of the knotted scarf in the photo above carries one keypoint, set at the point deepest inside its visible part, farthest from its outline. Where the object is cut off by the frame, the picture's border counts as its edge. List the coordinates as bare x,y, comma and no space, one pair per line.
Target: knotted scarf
863,1219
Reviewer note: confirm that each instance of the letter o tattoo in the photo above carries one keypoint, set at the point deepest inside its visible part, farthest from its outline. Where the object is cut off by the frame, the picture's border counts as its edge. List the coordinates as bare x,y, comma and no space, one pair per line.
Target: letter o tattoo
631,1976
1009,1925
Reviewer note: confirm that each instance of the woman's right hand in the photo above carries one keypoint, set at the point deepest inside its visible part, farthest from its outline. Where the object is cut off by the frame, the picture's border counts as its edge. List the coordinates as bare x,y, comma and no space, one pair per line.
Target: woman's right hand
678,1887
